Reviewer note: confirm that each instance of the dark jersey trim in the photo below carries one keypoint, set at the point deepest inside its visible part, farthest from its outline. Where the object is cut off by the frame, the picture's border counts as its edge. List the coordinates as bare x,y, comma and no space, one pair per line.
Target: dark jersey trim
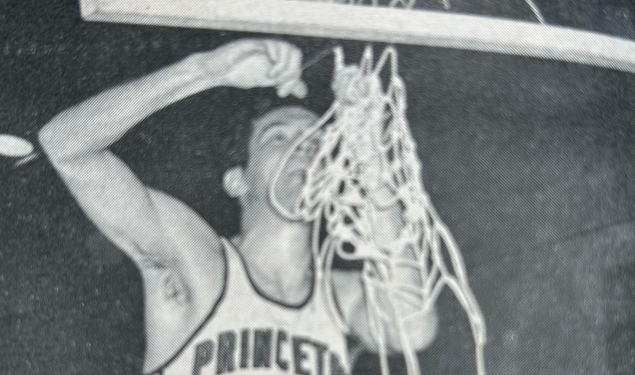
159,370
267,298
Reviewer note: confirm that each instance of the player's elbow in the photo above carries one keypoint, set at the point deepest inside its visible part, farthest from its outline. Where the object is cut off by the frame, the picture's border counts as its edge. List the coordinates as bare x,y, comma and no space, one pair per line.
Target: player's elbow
50,142
46,138
57,140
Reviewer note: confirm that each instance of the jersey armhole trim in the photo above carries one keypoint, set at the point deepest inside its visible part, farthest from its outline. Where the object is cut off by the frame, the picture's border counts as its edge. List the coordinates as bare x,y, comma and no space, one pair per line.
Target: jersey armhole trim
159,370
255,289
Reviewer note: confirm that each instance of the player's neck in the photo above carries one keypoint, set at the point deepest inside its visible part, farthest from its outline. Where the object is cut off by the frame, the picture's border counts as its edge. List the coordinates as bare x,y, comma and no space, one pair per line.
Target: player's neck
278,256
268,233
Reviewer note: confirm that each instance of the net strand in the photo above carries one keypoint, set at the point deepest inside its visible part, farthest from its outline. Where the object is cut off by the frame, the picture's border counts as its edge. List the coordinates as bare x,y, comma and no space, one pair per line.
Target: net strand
536,10
367,161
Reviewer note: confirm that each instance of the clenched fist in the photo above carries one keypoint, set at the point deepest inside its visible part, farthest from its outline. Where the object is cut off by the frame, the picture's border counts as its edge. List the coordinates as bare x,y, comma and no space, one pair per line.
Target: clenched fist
252,63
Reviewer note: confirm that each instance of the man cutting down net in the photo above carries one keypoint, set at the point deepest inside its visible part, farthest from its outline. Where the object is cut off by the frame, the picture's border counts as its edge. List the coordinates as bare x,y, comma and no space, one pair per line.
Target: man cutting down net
254,304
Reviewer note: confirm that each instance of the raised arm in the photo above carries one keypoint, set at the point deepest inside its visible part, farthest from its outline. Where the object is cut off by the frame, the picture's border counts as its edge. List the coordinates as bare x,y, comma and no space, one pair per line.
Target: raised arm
421,330
385,228
77,139
178,253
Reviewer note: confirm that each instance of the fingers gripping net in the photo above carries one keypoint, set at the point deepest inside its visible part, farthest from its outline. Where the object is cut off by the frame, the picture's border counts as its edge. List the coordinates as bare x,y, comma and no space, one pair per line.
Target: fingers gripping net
367,162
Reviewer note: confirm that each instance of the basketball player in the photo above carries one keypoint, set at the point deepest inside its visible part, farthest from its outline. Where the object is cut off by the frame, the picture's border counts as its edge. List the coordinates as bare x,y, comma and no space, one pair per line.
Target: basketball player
252,305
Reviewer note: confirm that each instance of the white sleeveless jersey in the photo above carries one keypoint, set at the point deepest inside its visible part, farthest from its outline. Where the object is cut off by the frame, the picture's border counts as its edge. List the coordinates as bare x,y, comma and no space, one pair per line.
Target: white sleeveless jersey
246,333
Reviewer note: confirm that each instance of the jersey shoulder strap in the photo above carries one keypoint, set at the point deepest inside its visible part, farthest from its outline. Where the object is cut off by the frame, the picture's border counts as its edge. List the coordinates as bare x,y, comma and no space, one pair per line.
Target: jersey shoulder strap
237,281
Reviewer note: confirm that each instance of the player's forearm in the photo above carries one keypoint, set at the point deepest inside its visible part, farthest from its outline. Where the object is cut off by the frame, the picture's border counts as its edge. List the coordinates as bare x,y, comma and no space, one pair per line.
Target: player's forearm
387,228
419,327
98,122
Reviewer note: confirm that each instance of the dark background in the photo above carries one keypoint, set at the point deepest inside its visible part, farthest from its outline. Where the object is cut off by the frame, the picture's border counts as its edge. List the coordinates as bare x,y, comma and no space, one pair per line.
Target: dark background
530,163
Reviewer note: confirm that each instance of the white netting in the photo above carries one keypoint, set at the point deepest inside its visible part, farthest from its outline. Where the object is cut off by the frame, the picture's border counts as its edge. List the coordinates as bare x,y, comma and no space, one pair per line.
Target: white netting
367,162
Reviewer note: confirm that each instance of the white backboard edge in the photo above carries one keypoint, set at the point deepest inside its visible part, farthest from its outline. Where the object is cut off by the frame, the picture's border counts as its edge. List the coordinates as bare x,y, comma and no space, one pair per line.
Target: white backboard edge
420,27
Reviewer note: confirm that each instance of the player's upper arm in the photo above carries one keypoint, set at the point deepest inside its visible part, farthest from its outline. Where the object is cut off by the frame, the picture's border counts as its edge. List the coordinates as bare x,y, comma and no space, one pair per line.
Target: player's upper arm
117,203
157,231
153,228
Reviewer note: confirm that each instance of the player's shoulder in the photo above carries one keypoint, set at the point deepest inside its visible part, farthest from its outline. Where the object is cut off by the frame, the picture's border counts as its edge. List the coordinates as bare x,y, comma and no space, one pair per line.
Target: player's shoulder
197,247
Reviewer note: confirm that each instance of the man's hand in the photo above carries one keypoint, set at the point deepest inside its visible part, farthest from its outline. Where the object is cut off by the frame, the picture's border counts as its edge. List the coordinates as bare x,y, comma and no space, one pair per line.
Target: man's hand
252,63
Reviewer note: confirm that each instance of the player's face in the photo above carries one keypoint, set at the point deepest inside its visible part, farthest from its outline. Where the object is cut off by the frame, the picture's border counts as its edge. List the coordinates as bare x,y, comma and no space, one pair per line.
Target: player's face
273,136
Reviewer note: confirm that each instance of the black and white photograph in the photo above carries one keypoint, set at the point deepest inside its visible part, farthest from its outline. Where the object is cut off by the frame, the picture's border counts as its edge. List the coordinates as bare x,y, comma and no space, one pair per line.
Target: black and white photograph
399,187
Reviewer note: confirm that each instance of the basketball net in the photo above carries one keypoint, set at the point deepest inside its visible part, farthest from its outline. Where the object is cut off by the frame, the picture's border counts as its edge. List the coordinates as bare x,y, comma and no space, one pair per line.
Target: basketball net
368,162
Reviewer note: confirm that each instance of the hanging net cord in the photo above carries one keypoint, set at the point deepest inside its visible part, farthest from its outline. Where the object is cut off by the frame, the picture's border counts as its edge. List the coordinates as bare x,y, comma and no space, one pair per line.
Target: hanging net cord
367,162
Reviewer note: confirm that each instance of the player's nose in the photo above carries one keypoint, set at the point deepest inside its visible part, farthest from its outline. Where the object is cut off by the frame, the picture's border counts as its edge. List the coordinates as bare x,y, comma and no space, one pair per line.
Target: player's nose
310,146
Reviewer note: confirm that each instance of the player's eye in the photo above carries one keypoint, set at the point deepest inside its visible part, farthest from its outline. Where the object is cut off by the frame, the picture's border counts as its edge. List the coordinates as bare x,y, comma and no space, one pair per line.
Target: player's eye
277,137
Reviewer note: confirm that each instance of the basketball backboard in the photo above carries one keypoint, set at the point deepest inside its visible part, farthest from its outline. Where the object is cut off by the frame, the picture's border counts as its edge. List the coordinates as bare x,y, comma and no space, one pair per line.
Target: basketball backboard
398,24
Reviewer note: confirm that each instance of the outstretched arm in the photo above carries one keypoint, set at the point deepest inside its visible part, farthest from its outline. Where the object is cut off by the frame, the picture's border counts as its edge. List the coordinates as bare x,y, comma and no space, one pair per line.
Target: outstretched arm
179,255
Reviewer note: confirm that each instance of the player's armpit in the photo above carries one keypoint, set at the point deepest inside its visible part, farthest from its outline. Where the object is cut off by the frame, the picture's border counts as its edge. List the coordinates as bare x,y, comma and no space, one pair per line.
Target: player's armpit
156,230
197,250
179,255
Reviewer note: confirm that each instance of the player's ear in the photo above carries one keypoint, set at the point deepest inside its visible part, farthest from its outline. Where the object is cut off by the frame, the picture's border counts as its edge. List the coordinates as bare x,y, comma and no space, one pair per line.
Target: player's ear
234,182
